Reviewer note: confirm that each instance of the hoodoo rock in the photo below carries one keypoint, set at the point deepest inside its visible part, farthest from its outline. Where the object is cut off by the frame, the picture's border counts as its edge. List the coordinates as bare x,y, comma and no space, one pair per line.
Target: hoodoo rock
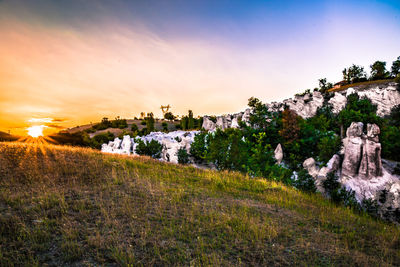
362,171
353,146
278,153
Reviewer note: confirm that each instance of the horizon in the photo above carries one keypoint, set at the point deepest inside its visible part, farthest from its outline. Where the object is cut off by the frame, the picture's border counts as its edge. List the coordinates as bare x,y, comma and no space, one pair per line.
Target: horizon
69,63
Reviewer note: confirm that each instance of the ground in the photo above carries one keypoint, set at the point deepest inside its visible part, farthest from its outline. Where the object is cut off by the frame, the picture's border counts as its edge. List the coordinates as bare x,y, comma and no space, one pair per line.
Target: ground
64,206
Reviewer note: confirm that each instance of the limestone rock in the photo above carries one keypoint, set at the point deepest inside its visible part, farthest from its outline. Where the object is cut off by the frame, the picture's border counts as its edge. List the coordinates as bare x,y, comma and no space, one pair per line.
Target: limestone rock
338,102
278,153
352,149
320,175
310,165
208,124
171,142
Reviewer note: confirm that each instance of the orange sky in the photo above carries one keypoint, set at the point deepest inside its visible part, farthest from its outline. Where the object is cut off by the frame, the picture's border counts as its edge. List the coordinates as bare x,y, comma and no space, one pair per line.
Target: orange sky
75,72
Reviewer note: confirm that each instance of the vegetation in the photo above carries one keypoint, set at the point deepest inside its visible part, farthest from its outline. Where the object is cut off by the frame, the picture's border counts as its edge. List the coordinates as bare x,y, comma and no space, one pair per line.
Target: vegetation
190,123
74,206
152,148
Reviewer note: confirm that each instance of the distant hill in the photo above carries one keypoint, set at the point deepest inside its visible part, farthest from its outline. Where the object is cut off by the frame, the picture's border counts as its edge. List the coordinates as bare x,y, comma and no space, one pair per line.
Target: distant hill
66,206
8,137
117,131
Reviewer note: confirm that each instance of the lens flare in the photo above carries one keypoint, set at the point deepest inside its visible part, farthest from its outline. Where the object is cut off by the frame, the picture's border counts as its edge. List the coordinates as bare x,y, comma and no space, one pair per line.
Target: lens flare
36,131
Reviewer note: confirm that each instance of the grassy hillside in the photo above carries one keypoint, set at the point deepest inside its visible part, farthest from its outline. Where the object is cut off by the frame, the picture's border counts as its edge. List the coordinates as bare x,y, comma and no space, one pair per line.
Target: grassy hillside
73,206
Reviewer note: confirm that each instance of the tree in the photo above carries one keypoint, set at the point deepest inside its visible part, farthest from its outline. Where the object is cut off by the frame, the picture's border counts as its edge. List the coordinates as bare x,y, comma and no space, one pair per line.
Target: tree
396,67
324,85
290,125
150,122
169,116
354,74
152,148
190,120
378,70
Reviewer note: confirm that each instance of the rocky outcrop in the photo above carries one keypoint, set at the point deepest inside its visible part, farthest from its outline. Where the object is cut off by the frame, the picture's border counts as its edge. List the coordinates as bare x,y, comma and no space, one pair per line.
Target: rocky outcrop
320,175
338,102
278,154
226,121
362,153
171,143
208,124
362,171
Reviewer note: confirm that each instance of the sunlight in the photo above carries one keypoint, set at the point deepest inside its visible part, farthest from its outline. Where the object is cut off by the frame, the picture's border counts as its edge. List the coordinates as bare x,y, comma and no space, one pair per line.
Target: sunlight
35,131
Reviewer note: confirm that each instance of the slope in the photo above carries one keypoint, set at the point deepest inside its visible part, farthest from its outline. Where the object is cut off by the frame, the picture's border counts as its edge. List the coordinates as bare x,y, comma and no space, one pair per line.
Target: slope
74,206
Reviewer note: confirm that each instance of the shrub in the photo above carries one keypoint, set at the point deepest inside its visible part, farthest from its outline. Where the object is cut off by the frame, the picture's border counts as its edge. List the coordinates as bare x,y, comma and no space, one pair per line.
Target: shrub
143,122
397,79
304,181
134,128
152,148
183,156
165,126
198,148
327,147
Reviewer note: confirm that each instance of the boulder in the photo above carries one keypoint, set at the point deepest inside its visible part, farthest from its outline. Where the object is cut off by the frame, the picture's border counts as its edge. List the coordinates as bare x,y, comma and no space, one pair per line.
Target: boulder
278,153
311,167
208,124
352,150
338,102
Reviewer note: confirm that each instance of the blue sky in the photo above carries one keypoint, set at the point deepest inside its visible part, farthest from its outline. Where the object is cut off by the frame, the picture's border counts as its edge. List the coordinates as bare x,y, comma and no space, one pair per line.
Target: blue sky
112,58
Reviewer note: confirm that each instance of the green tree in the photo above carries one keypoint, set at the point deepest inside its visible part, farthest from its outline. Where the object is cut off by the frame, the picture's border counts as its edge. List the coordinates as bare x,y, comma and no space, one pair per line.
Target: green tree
190,120
324,85
152,148
396,67
169,116
354,74
378,70
150,122
183,156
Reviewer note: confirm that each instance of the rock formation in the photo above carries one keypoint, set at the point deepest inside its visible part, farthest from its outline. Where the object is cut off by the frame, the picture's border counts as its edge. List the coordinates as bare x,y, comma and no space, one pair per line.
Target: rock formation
362,171
171,143
278,153
320,175
362,153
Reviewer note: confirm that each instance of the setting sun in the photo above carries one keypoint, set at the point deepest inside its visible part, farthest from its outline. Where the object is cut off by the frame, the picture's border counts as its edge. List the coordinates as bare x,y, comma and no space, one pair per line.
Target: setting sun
35,131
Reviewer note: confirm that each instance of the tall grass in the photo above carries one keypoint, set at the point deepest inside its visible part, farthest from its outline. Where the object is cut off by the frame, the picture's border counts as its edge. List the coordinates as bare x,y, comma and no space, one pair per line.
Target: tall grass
75,206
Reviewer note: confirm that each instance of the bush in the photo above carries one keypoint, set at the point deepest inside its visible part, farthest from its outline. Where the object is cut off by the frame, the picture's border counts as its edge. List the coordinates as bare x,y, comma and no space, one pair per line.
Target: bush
304,182
183,156
134,128
152,148
327,147
100,139
397,79
198,148
165,126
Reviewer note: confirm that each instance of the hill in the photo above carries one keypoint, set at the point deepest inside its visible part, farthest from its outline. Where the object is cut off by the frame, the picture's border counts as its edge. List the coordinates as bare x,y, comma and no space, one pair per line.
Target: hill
7,137
117,131
75,206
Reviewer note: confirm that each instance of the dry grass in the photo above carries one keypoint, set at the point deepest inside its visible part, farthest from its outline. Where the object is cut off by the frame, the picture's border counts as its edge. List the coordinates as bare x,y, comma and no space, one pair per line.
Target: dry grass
361,85
78,207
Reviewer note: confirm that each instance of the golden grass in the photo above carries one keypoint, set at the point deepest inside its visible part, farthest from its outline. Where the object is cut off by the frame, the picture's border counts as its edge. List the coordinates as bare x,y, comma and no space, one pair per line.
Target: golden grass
367,83
75,206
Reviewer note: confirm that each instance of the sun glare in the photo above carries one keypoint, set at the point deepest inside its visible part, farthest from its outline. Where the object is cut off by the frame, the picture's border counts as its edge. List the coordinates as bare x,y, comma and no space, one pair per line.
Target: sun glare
35,131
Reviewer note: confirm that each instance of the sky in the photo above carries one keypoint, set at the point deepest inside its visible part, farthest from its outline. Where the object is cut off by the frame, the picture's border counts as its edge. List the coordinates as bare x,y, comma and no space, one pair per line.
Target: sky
68,63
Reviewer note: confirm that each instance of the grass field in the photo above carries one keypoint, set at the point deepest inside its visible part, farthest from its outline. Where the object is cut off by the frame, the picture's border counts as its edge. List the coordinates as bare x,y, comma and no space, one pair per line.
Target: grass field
63,206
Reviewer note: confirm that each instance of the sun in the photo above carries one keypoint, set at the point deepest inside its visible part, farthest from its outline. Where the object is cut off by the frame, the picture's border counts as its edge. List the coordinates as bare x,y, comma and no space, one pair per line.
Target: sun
35,131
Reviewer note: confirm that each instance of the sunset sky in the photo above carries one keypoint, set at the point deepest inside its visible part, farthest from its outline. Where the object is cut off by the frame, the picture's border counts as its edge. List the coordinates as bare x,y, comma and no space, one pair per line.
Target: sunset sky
67,63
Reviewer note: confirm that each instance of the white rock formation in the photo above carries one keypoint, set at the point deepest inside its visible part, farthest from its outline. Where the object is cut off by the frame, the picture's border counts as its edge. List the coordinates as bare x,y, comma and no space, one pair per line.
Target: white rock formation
171,143
320,175
278,153
338,102
362,171
385,96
